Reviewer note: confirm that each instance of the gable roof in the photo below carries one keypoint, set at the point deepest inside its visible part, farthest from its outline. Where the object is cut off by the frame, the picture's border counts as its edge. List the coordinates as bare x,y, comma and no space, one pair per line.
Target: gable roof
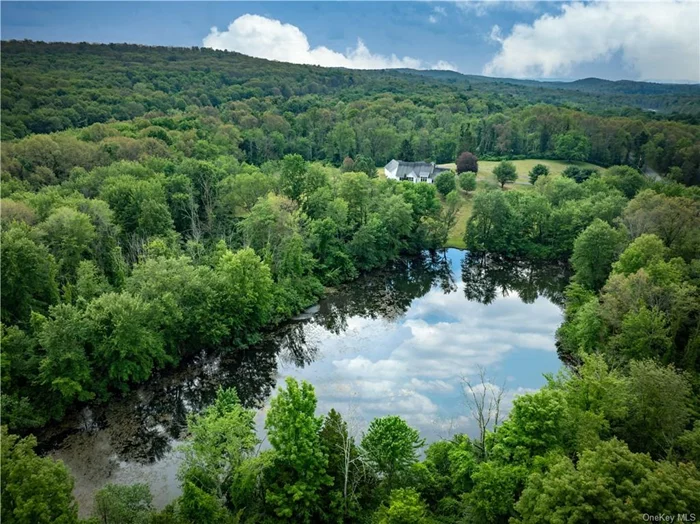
416,169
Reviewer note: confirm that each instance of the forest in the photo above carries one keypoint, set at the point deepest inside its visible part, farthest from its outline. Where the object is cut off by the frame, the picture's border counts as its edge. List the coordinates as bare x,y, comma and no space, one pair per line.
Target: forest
158,202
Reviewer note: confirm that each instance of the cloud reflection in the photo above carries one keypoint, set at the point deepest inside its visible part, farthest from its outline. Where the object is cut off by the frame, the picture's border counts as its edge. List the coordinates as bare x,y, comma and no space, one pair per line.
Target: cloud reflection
412,365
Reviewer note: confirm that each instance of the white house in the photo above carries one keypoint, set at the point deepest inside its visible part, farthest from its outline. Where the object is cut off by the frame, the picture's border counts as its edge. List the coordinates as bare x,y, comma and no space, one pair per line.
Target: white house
413,171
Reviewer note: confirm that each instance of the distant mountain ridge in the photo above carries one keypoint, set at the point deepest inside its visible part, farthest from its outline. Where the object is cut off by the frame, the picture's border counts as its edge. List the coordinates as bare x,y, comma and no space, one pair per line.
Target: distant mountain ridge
586,85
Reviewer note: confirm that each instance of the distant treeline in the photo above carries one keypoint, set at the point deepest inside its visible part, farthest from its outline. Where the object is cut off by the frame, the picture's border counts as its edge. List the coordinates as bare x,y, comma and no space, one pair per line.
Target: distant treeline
270,109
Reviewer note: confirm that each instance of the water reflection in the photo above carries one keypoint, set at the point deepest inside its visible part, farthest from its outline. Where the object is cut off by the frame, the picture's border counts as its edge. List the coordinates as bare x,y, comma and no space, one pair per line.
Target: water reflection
396,341
486,277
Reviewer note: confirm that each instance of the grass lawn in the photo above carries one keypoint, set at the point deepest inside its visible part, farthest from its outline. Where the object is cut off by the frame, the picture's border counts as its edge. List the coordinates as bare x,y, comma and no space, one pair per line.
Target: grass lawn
456,236
523,167
485,178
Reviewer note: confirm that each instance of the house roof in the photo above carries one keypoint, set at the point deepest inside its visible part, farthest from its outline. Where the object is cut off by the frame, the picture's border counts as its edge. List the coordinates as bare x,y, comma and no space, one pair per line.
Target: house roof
416,169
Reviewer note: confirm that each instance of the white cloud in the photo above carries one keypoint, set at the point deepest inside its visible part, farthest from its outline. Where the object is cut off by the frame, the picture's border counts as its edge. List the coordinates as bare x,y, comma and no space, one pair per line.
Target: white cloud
437,14
445,66
481,7
268,38
656,40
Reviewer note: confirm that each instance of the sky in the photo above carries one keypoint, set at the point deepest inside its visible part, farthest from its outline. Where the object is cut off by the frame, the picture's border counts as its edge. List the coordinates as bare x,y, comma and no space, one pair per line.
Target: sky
612,39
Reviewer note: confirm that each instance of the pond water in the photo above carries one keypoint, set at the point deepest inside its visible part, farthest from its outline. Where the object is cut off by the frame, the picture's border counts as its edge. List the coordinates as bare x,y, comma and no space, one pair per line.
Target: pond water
398,341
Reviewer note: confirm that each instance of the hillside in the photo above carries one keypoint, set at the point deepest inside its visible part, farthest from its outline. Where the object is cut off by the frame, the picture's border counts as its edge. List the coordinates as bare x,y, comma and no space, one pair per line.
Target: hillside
55,86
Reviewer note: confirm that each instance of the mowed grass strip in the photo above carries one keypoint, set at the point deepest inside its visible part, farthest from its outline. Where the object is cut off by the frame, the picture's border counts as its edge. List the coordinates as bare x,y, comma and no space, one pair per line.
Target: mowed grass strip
523,168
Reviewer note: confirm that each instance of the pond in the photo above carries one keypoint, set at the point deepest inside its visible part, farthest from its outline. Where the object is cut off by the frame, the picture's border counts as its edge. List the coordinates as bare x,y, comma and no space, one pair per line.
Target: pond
398,341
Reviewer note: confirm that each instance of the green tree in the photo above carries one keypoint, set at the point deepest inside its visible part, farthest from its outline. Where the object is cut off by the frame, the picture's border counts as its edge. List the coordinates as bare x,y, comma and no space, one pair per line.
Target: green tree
505,172
626,179
492,225
406,151
90,281
28,276
244,284
539,423
596,397
299,471
405,507
572,146
608,484
69,236
445,182
345,466
356,190
537,171
243,190
35,490
293,176
595,250
467,181
644,333
644,251
221,438
659,403
126,345
391,447
341,141
65,369
494,492
366,165
117,504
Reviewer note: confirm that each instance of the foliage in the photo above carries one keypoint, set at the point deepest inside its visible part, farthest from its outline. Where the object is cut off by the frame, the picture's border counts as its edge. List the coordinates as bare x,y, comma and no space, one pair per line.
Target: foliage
300,467
467,181
505,172
467,162
607,484
595,250
405,507
193,200
445,182
35,490
221,438
537,171
116,504
391,447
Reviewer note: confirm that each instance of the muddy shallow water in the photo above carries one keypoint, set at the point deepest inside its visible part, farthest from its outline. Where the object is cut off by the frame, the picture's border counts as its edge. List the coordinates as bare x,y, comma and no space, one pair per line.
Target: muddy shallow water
396,341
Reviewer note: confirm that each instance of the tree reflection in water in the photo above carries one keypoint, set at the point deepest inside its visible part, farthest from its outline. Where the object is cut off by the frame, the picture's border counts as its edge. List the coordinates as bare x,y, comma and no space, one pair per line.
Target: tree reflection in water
486,277
143,425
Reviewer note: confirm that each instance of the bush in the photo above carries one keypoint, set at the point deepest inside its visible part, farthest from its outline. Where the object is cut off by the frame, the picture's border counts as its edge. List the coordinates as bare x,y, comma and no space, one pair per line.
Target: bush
537,171
445,183
467,181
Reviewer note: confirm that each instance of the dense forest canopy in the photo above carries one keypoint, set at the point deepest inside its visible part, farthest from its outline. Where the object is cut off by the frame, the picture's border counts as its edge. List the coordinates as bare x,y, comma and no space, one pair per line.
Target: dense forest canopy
327,114
157,202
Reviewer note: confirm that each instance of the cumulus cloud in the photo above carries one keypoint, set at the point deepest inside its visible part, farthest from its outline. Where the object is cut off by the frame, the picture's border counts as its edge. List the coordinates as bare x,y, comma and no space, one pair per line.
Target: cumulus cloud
656,40
268,38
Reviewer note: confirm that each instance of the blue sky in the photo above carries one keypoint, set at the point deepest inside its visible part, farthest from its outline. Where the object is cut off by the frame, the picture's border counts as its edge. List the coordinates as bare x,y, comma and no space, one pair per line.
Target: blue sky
551,40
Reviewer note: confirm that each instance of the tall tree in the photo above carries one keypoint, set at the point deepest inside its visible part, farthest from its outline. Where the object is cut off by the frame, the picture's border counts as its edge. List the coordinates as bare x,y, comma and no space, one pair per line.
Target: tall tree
299,470
595,250
391,447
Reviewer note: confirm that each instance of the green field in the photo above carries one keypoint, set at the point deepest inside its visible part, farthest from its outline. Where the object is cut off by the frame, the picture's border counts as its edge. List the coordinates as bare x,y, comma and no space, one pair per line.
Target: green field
485,177
523,167
456,237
